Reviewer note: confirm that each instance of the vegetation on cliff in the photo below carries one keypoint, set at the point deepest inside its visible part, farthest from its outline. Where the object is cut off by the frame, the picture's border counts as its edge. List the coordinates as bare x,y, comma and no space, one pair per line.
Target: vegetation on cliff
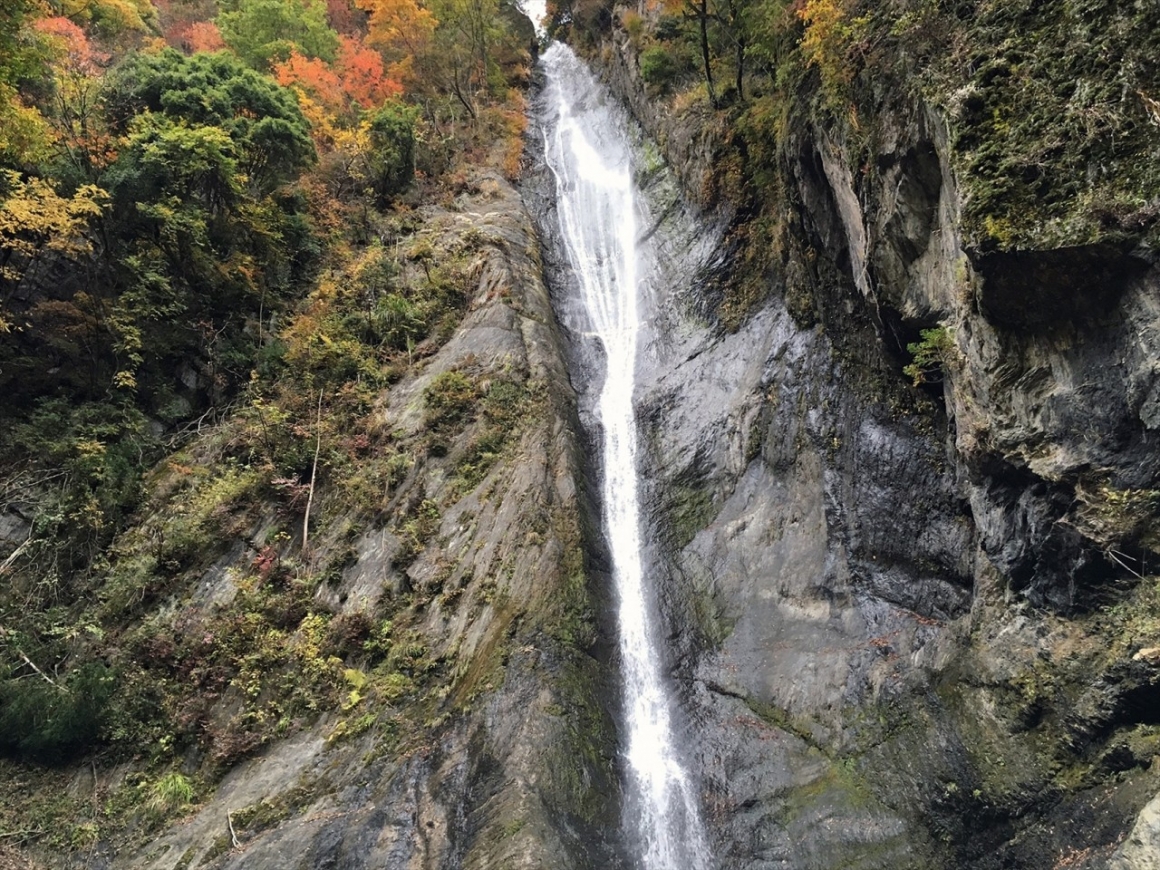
1051,108
217,248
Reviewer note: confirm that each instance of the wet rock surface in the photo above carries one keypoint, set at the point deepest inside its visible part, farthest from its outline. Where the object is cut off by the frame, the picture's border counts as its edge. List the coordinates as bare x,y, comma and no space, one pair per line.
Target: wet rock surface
1141,849
904,617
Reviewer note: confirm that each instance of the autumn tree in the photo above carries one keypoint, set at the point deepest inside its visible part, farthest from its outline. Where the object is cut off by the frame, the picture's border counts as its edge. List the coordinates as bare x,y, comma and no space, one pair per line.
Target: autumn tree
733,17
262,120
356,81
202,36
402,29
73,107
364,77
263,32
460,57
346,18
721,31
37,223
187,26
110,18
24,134
314,76
830,34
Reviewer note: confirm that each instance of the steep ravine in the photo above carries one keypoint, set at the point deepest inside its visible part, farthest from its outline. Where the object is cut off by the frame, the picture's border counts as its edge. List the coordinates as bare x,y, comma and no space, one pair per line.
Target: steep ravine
497,750
924,616
914,627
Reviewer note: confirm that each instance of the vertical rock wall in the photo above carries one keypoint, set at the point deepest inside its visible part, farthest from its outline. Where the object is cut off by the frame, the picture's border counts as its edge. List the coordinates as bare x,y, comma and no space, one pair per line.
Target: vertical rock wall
909,618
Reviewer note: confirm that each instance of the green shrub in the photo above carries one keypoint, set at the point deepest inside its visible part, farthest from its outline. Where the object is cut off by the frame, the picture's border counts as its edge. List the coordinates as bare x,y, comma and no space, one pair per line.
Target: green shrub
633,25
670,27
392,159
53,721
930,355
450,398
659,67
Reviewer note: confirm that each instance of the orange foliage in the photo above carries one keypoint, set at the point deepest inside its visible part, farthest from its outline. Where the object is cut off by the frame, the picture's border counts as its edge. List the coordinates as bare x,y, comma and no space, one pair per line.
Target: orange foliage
313,75
203,36
364,79
80,56
401,27
357,77
515,122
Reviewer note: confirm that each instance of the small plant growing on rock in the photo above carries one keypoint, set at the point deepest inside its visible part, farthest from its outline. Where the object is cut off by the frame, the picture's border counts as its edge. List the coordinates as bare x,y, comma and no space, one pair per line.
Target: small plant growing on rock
450,398
171,793
929,355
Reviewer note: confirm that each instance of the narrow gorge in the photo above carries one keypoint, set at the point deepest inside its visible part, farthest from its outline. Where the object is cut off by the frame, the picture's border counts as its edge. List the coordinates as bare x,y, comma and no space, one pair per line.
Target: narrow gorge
721,436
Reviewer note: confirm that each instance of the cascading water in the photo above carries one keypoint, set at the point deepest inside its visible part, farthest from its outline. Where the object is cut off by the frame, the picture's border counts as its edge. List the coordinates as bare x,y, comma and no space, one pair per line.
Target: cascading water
587,151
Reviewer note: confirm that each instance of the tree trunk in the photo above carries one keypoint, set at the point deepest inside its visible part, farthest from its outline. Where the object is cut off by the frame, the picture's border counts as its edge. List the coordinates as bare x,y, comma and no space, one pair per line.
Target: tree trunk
313,476
703,16
740,68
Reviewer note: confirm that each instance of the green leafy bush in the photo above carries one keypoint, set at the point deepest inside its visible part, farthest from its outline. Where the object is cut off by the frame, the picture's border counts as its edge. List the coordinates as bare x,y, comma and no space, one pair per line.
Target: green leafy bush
929,355
264,32
263,120
658,67
51,721
392,156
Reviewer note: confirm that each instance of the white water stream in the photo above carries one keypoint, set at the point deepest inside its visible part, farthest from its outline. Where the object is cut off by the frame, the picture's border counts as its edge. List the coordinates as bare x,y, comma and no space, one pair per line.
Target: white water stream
587,150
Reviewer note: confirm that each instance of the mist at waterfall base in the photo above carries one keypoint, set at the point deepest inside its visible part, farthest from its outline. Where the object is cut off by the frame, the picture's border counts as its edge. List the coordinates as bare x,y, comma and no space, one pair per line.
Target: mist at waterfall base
588,153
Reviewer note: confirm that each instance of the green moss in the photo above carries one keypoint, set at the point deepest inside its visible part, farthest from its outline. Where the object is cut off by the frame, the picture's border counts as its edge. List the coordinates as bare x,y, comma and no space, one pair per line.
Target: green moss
269,812
839,787
713,625
1132,622
780,718
1053,119
690,508
580,770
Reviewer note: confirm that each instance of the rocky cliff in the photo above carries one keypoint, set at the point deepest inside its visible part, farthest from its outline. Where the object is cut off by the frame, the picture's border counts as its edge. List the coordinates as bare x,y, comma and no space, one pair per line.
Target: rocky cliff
434,700
912,613
504,763
924,615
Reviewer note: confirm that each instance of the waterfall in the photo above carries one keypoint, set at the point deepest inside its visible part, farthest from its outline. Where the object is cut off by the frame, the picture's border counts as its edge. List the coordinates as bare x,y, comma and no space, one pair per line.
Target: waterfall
587,150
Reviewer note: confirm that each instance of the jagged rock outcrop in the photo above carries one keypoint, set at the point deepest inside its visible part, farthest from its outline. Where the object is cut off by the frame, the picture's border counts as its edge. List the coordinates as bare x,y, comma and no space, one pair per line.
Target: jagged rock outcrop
915,609
1141,849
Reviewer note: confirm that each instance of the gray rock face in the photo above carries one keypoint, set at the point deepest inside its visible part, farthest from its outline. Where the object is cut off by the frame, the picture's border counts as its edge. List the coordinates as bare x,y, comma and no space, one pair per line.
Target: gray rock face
514,766
905,622
1141,849
894,610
